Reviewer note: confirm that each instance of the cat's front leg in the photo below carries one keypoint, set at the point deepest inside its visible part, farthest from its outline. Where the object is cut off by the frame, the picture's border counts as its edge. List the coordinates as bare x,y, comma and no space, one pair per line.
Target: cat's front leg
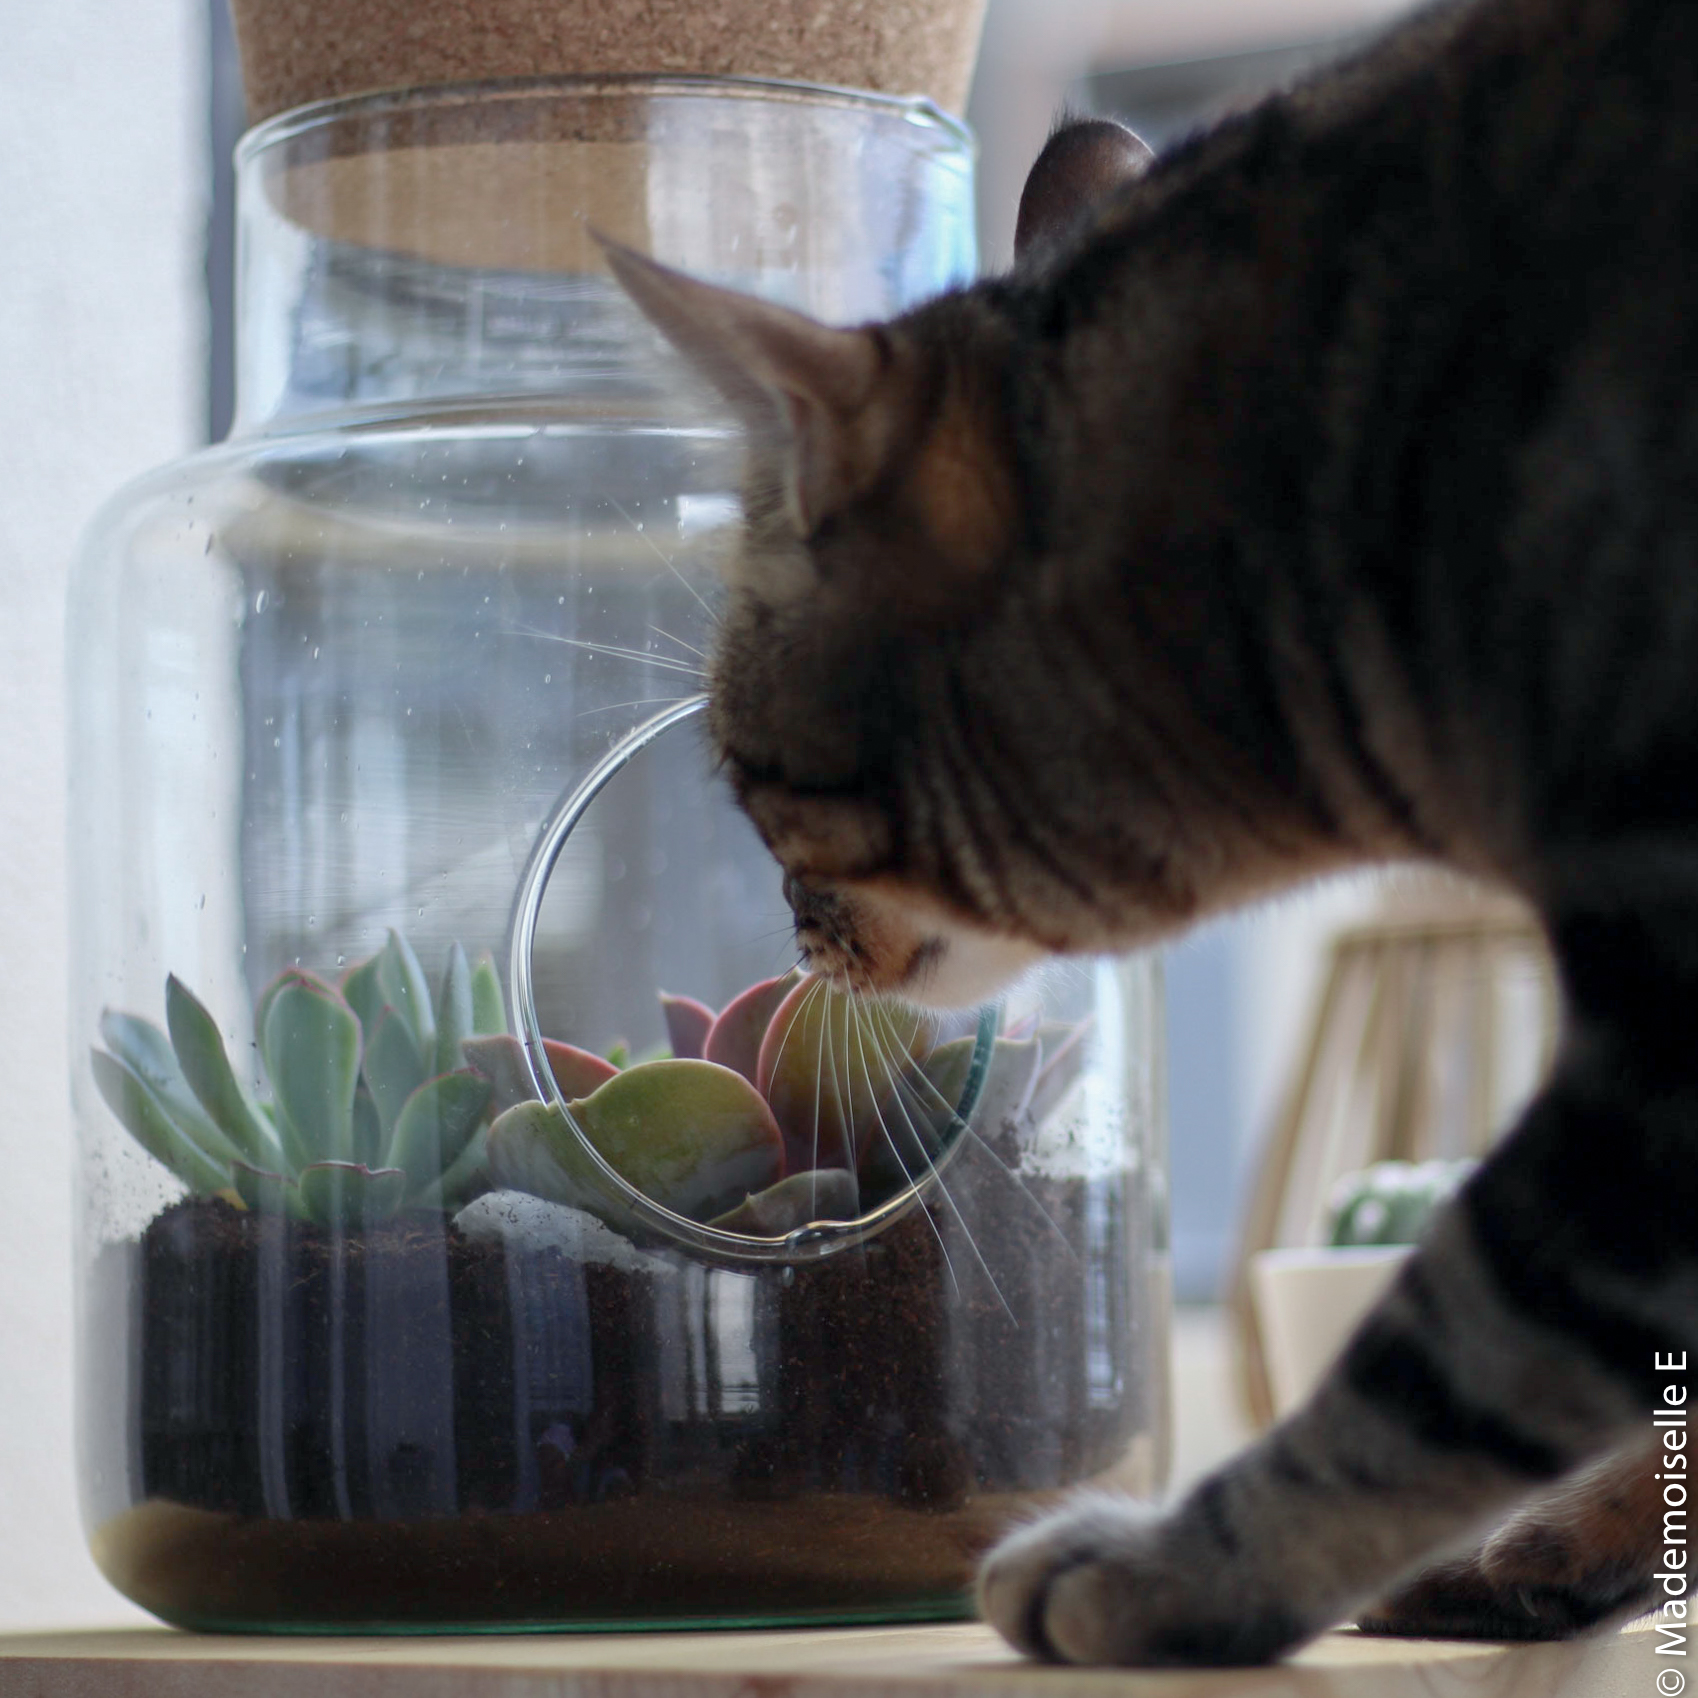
1288,1539
1518,1343
1084,1586
1282,1543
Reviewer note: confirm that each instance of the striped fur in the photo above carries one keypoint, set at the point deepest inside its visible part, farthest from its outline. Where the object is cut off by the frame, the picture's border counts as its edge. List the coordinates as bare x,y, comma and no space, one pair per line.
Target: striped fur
1325,495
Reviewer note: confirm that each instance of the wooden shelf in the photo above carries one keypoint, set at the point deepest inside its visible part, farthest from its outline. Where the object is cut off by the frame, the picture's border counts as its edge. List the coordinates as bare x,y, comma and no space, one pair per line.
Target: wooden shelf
896,1662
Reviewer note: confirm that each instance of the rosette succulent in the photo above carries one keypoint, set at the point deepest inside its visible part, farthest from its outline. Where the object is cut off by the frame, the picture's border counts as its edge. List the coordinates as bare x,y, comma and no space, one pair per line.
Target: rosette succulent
372,1108
794,1102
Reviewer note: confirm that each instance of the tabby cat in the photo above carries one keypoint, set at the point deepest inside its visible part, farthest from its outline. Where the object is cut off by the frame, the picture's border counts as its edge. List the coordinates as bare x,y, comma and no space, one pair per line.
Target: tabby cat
1325,494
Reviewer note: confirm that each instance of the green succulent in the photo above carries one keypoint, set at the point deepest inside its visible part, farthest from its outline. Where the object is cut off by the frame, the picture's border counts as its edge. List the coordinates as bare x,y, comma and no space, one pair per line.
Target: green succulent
1390,1202
372,1108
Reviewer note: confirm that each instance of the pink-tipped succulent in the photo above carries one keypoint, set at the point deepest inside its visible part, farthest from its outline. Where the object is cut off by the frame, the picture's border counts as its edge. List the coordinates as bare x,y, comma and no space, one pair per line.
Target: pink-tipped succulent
793,1103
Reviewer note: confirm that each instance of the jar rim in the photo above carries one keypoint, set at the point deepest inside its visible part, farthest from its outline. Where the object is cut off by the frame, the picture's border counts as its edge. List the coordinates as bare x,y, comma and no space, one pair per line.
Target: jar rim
286,126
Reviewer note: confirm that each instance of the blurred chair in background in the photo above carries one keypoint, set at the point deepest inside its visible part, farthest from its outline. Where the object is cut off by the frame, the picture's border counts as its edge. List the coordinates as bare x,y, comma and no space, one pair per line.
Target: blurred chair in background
1435,1021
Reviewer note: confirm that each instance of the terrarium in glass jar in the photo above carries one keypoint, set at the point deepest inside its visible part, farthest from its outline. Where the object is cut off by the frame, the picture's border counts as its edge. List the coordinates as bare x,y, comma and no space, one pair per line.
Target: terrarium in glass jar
483,1221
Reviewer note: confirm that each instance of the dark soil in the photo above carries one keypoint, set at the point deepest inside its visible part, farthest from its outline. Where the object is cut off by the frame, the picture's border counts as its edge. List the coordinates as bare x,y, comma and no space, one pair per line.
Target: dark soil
405,1427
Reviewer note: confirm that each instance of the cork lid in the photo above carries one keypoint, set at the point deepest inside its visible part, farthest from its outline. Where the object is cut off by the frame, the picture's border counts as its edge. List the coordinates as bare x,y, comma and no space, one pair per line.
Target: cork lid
726,177
297,51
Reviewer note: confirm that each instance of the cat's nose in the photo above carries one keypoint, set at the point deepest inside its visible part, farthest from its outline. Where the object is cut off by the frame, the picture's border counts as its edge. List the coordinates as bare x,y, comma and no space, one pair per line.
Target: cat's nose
807,904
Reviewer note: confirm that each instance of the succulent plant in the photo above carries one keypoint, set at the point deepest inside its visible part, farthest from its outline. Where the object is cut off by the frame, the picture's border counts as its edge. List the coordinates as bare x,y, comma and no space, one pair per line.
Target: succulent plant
373,1107
1391,1201
794,1102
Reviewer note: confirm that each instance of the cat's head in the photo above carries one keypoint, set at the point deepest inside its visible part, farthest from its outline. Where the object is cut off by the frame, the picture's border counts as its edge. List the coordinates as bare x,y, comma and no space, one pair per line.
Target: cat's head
881,496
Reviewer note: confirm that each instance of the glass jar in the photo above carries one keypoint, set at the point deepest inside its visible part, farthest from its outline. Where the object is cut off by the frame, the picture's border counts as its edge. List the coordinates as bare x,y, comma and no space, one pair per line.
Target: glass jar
408,1297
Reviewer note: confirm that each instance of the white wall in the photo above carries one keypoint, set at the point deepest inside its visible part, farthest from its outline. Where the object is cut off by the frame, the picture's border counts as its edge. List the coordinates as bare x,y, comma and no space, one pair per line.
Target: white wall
102,166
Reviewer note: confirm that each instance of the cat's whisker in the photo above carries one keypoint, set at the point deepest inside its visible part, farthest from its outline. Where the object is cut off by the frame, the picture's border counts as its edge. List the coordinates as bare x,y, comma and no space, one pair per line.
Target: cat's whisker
665,661
819,1060
619,650
769,934
1004,1171
783,960
819,1078
1068,969
1001,1167
844,1090
788,1030
689,648
664,558
937,1174
907,1174
641,701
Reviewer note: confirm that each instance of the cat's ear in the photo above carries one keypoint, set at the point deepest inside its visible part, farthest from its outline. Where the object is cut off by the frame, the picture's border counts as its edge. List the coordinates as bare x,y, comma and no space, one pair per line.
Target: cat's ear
803,386
1084,160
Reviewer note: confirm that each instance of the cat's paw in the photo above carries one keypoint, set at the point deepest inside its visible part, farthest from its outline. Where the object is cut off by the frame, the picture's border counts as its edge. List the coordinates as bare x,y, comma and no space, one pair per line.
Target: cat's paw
1579,1558
1512,1589
1459,1600
1104,1581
